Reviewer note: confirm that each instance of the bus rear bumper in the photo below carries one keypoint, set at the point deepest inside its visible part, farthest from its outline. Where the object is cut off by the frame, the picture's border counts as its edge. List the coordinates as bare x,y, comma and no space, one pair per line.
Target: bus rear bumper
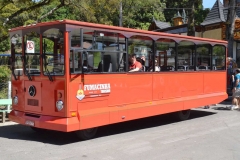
64,124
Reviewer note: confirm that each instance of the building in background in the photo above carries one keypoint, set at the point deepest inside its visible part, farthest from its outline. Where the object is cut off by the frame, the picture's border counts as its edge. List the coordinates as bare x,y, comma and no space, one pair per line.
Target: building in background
214,26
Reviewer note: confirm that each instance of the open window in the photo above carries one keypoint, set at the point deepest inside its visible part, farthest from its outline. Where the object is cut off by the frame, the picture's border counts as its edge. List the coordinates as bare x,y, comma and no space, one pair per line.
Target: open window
142,47
165,54
219,57
102,51
186,56
204,57
53,52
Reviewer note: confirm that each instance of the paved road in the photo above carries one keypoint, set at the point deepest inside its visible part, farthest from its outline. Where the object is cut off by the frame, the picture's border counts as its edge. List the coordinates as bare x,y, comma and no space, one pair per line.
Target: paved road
210,134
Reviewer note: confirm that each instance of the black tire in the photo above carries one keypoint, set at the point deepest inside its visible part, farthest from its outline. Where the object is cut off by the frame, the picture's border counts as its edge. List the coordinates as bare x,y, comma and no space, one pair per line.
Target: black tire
183,115
39,130
86,133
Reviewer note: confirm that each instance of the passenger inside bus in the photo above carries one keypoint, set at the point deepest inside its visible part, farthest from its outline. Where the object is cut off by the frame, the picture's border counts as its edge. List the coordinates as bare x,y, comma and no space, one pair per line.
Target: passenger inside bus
140,60
134,66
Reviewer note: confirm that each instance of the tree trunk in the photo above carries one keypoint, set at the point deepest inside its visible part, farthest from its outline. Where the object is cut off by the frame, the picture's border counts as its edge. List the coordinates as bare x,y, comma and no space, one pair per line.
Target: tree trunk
231,26
191,26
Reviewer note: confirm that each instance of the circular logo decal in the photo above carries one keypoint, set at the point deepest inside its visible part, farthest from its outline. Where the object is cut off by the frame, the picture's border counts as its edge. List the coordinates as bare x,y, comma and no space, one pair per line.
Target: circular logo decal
32,91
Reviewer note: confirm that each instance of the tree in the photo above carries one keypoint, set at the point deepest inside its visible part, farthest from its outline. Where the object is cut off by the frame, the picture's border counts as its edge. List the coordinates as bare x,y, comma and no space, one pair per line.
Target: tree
194,10
139,14
231,26
19,13
136,14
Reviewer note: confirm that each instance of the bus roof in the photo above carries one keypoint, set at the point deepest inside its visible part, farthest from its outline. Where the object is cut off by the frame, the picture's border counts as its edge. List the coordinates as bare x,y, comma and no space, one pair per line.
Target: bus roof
114,28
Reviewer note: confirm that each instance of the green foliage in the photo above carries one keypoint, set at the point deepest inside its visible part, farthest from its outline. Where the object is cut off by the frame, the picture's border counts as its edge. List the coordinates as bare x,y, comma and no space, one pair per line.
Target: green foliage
219,50
4,45
199,13
136,13
4,73
139,14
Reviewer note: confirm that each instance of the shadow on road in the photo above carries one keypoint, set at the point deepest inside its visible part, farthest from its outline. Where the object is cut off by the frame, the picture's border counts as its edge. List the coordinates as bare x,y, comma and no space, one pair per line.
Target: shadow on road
21,132
149,122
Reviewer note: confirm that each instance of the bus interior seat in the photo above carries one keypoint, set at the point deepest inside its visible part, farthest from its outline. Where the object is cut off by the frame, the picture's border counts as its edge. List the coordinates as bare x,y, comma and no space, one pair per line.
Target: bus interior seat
107,64
143,68
190,68
166,68
157,69
122,65
181,68
202,68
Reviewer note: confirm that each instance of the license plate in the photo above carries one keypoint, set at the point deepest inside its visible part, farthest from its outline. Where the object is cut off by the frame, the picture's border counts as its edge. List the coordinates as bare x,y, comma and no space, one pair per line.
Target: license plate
29,123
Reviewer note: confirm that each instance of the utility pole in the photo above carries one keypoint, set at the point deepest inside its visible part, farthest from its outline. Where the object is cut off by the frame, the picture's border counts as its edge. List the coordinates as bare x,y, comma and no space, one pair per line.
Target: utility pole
120,15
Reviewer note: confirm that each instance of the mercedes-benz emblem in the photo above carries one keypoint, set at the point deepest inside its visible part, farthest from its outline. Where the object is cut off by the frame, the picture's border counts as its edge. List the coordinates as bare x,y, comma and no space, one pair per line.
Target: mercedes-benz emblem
32,91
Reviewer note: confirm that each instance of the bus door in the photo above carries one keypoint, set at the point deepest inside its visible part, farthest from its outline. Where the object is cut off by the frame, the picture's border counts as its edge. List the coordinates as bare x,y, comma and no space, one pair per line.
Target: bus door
32,84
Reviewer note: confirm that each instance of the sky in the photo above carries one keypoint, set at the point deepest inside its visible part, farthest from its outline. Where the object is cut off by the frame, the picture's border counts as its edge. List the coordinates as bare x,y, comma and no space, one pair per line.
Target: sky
209,3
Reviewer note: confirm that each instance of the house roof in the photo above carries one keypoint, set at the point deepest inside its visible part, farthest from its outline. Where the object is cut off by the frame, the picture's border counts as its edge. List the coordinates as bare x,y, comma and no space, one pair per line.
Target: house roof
160,24
216,14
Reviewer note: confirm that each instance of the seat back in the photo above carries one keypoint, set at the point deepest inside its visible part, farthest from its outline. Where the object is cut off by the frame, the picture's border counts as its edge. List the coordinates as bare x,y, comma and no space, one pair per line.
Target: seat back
107,65
190,68
144,68
167,68
202,68
181,68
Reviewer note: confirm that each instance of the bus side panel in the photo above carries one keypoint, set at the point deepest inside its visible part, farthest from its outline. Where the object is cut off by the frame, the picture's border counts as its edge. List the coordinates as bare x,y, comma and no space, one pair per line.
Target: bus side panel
125,89
119,89
214,82
154,109
139,88
202,100
171,92
166,85
173,85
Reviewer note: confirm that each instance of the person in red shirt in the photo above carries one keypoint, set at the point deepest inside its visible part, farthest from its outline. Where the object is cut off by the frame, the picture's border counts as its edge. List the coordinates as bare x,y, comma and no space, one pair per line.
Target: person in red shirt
134,66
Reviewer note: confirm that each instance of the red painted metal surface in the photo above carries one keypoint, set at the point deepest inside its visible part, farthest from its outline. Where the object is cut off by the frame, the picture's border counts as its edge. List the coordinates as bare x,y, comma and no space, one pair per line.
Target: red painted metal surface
93,100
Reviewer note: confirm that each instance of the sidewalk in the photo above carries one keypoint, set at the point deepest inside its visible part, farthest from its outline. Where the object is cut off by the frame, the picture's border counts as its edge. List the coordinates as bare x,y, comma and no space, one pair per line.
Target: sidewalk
7,123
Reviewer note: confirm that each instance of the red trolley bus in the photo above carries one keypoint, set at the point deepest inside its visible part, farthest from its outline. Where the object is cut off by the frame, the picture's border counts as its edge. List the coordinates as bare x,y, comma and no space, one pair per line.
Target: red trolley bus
74,75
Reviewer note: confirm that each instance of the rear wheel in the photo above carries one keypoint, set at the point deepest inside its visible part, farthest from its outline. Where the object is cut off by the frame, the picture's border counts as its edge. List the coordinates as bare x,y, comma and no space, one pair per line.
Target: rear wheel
86,133
183,115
